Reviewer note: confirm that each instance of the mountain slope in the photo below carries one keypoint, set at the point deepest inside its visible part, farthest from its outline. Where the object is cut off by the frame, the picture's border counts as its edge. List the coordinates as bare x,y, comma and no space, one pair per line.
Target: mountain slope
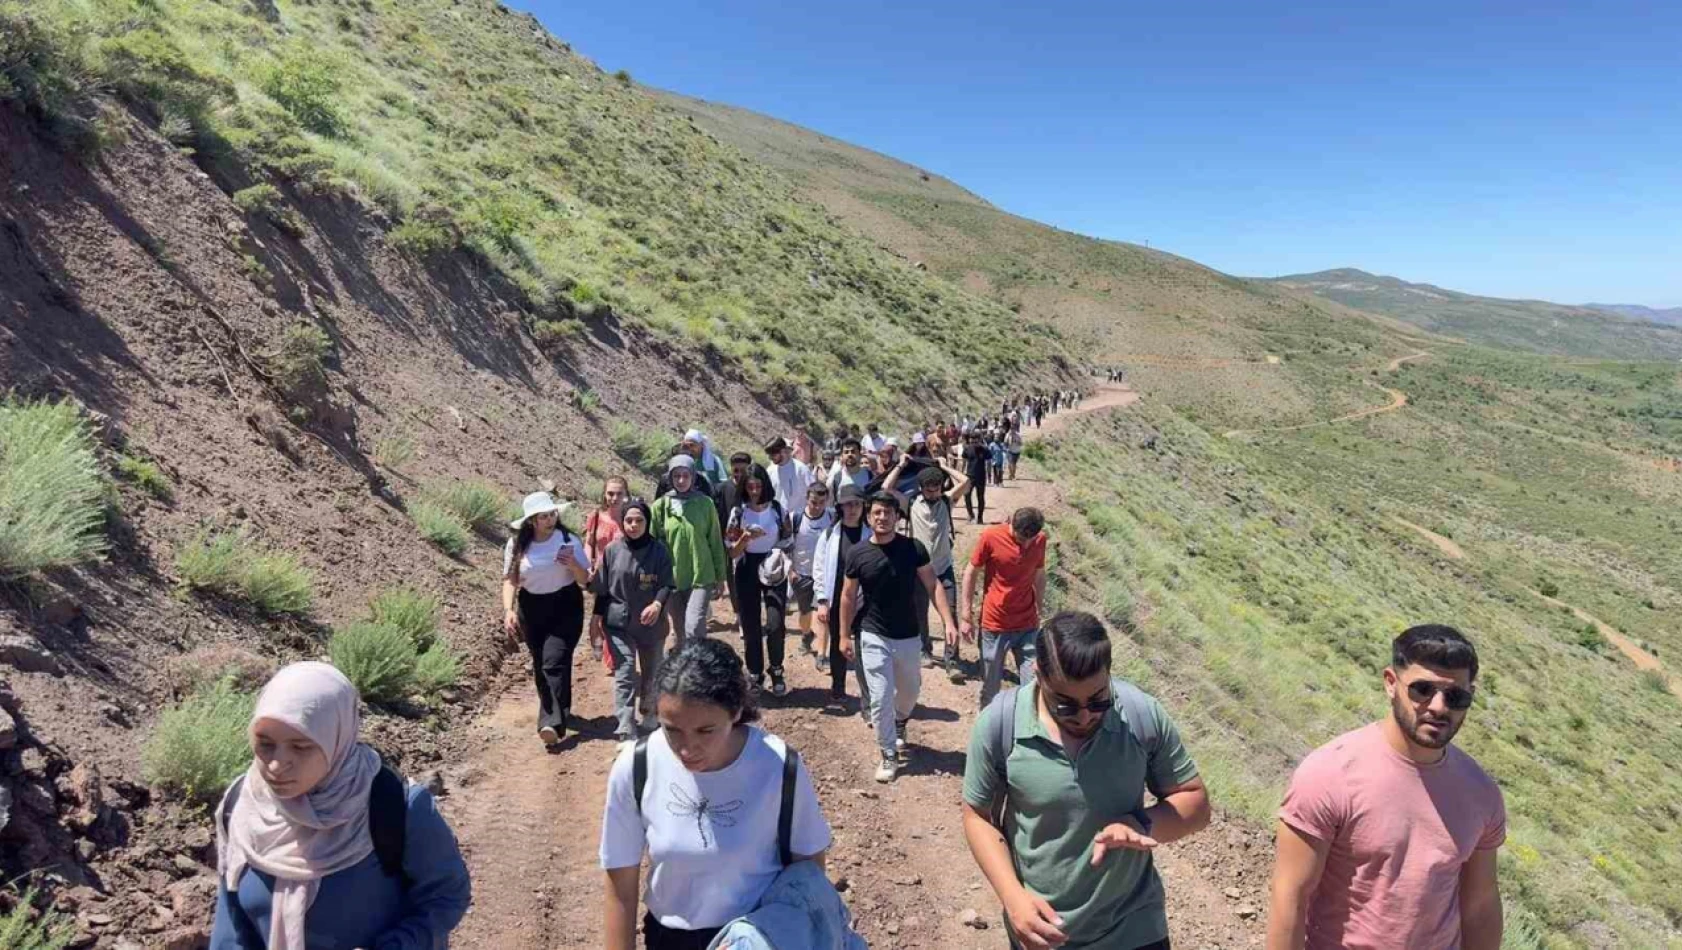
1532,325
1671,316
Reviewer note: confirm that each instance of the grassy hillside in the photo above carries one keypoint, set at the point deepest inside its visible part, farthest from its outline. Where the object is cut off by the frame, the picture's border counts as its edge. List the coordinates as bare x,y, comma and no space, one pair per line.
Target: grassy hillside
1533,325
1667,315
469,125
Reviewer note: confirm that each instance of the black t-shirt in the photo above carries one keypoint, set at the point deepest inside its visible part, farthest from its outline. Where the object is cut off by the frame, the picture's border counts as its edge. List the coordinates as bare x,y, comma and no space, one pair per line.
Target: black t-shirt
887,574
976,458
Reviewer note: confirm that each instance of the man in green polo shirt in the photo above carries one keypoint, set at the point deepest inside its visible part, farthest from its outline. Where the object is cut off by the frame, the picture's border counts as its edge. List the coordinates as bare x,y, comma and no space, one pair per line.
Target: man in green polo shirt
1072,862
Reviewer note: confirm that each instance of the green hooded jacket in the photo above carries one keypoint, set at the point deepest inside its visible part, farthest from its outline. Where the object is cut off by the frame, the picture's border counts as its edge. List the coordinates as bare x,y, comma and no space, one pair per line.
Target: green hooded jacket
688,525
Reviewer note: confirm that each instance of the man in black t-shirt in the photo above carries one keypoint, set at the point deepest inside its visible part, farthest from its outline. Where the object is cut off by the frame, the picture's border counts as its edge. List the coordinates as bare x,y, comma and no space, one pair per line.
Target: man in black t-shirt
886,571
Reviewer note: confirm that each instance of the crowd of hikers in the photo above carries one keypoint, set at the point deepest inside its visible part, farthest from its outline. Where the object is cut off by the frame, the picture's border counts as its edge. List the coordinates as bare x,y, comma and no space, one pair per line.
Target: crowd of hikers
1387,835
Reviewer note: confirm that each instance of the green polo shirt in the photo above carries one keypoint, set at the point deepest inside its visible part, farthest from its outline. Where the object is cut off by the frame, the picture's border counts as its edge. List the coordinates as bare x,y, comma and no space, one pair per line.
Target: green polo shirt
1057,806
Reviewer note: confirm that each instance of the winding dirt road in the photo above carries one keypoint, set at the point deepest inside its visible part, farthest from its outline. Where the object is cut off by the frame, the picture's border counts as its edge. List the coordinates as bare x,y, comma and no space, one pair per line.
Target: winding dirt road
1398,399
529,821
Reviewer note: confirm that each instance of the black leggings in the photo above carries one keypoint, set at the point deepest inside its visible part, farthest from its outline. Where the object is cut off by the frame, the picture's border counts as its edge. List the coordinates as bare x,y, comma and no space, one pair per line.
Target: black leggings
553,623
656,936
754,601
978,489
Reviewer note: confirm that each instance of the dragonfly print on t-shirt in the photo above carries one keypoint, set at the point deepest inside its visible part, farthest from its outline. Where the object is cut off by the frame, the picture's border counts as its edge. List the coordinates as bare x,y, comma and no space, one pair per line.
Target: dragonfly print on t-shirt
703,811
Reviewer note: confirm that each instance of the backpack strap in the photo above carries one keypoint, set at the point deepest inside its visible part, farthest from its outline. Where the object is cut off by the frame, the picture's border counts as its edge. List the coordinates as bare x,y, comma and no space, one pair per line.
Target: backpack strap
785,814
1004,739
639,771
388,814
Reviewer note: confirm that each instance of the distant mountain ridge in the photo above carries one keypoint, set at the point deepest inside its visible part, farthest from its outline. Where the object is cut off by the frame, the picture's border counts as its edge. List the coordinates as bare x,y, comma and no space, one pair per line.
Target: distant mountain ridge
1609,331
1671,316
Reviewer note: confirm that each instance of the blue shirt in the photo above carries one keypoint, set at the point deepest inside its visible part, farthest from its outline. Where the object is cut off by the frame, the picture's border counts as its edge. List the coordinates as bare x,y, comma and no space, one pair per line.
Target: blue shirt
360,908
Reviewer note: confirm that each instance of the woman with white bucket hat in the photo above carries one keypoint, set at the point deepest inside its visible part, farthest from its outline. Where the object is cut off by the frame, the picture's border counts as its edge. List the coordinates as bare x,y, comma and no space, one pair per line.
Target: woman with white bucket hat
544,571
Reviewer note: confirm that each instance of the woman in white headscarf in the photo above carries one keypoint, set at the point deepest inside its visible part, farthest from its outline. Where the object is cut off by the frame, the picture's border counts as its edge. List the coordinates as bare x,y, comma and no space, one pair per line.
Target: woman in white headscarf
299,865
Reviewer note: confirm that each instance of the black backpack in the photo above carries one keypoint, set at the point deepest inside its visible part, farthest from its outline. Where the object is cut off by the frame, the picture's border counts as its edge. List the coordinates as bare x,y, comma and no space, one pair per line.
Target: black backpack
785,815
388,812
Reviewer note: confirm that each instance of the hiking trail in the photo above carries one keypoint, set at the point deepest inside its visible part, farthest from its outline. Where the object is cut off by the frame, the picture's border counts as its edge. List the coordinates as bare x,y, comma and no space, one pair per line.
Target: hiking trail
529,822
1642,659
1398,399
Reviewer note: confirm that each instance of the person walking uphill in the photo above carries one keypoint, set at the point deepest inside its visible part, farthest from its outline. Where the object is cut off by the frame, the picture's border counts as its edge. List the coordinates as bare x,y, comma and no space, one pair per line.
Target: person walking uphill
602,527
1054,799
882,574
632,585
931,523
829,561
686,522
544,570
760,530
706,798
1012,558
1388,834
321,845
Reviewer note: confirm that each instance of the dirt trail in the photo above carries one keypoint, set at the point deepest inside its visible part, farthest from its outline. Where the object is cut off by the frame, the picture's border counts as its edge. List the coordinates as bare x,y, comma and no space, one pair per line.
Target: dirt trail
529,821
1629,648
1398,399
1191,362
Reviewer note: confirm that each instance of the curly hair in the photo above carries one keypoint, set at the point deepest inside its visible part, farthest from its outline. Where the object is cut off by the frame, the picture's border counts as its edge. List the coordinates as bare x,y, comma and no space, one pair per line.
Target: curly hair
709,671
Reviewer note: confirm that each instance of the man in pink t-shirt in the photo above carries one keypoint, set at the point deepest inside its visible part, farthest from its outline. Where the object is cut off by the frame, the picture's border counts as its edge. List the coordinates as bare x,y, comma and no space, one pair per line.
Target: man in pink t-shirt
1388,834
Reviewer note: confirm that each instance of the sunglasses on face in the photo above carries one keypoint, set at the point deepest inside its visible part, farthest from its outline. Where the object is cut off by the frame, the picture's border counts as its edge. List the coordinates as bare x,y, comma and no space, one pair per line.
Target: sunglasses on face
1068,709
1422,692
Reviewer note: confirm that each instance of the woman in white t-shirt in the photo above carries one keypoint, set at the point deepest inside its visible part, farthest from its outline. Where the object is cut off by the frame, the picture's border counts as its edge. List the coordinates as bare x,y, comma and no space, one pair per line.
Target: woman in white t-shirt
757,527
544,570
709,810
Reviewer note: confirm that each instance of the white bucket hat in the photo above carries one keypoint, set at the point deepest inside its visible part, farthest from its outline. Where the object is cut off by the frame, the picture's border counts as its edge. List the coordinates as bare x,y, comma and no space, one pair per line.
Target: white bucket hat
537,503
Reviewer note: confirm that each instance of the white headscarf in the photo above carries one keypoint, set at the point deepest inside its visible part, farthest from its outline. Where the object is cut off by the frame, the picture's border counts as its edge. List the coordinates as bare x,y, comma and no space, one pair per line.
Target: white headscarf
709,464
303,839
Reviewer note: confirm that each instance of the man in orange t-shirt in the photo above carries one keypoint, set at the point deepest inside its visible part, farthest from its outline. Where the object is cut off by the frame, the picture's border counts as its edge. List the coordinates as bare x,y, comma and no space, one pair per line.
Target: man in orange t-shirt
1013,556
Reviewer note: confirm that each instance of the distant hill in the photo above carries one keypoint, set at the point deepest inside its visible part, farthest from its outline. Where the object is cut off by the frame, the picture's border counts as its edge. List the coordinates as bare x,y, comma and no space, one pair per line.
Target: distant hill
1671,316
1534,325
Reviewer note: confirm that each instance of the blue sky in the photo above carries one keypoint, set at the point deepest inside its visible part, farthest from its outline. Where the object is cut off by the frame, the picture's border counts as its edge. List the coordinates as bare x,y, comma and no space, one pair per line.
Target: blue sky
1515,149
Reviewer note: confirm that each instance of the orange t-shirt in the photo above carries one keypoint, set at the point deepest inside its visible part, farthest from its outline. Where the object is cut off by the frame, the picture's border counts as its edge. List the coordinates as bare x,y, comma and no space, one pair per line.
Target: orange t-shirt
1010,602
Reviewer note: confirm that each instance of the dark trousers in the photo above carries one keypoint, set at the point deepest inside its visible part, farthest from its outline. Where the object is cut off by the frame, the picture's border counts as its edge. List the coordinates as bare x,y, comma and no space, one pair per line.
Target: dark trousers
838,664
553,623
977,509
656,936
754,603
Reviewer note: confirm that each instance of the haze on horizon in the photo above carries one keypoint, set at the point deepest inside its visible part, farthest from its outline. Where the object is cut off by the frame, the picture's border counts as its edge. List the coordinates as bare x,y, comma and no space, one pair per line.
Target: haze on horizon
1506,149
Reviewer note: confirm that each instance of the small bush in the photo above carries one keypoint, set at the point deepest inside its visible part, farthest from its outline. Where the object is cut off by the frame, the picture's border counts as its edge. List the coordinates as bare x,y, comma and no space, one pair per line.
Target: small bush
378,659
1034,450
624,76
410,612
436,670
1655,680
440,526
52,495
479,505
20,929
266,201
555,336
1547,588
423,238
146,475
200,746
228,564
306,84
394,452
299,364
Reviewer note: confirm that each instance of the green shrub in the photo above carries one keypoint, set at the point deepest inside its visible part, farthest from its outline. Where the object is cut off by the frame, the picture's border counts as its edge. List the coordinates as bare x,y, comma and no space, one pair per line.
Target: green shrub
394,452
267,201
306,84
423,238
45,69
1547,588
298,364
436,670
555,336
440,526
1589,638
378,659
1655,680
199,746
410,612
52,495
229,565
20,929
146,475
624,76
1034,450
479,505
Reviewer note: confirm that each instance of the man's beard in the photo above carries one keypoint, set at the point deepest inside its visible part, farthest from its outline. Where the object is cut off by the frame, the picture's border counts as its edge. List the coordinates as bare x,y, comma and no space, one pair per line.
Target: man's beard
1446,728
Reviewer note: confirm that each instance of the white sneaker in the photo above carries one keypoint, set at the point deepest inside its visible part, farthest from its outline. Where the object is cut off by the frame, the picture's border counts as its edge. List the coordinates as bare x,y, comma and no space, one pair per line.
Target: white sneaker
548,735
887,770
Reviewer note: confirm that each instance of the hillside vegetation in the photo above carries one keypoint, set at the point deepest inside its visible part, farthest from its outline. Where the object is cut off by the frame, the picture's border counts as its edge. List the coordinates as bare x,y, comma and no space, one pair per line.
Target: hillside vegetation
469,125
1533,325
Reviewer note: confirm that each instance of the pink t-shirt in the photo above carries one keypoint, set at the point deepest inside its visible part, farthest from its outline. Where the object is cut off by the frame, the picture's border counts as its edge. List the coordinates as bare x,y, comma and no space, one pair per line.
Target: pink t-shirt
1400,833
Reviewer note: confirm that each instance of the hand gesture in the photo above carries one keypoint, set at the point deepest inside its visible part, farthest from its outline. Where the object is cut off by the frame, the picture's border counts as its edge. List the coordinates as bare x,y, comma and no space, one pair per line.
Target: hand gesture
1033,922
1122,834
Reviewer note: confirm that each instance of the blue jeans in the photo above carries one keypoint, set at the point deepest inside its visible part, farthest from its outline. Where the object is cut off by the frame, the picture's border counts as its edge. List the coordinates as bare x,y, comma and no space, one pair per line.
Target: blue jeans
994,645
920,604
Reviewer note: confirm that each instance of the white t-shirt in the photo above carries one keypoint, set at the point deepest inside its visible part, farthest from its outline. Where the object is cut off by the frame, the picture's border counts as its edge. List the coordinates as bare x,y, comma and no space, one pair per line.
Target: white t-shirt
806,539
873,443
539,574
711,837
767,519
792,478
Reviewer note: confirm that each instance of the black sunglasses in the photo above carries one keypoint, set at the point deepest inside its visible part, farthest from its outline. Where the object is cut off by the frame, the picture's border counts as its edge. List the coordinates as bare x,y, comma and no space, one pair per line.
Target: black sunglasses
1422,692
1069,709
